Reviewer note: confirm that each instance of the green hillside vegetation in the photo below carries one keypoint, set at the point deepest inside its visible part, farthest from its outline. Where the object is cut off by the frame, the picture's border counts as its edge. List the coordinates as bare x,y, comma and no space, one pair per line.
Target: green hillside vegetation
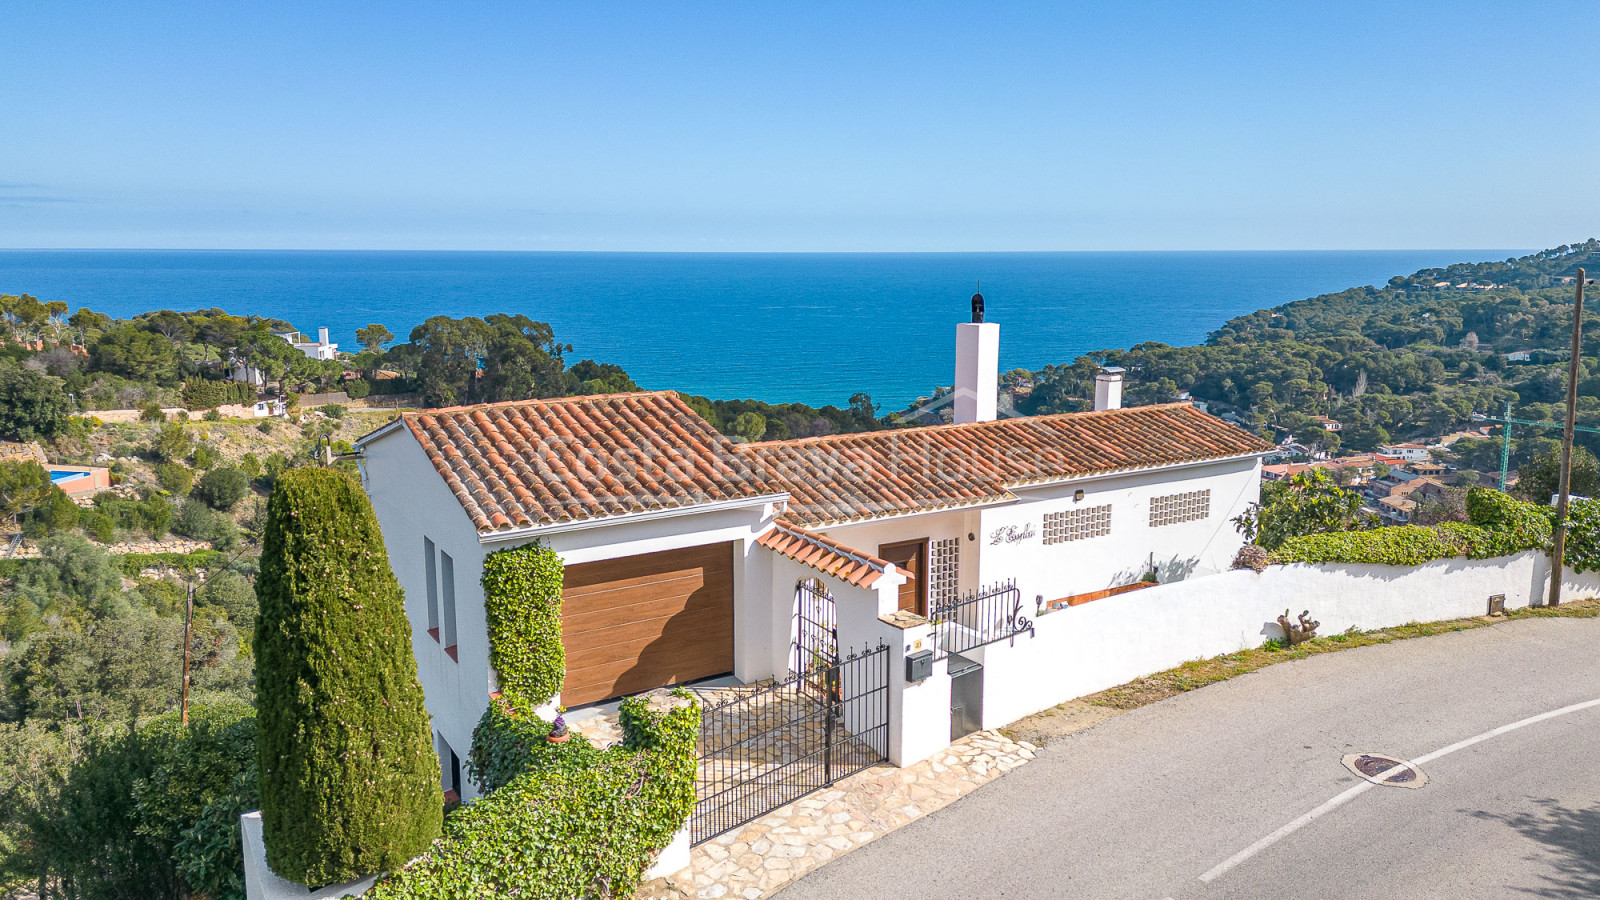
1406,360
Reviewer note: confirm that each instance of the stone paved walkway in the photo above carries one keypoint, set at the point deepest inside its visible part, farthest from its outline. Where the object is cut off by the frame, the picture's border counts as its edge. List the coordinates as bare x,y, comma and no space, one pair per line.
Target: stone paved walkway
757,859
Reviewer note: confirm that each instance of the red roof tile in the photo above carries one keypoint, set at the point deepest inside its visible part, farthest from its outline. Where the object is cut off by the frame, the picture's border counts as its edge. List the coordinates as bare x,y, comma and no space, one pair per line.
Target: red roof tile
825,554
851,477
543,462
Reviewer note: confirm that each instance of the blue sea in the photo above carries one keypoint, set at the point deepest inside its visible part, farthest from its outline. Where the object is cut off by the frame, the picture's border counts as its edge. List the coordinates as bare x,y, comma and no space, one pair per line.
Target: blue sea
812,328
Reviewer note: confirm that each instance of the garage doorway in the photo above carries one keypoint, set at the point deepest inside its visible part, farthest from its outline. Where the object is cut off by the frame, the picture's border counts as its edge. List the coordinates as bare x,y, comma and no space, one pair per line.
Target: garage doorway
641,622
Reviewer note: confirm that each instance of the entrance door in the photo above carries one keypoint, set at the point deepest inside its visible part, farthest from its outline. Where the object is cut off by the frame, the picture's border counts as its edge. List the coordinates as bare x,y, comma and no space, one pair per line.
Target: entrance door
910,557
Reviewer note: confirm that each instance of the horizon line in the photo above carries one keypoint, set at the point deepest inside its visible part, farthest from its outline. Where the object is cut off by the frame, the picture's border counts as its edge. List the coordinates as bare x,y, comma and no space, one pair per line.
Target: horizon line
746,252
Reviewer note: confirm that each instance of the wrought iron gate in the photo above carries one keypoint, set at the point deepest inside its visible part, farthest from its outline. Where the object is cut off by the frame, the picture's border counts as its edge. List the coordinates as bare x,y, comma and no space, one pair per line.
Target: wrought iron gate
816,640
787,739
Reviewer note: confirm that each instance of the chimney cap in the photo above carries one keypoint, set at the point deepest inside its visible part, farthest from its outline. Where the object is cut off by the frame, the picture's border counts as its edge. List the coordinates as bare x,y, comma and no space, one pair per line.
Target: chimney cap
1111,370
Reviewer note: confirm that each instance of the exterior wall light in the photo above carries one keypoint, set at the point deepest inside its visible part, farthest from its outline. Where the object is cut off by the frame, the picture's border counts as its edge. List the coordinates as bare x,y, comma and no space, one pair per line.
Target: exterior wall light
1077,494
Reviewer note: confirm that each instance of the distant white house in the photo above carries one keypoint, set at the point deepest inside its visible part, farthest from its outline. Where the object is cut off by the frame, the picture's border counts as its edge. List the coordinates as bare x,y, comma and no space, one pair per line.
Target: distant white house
321,348
1407,452
688,556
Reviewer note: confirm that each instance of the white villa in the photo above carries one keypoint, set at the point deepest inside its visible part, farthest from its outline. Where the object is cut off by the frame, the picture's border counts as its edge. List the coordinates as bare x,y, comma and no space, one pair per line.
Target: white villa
686,555
321,348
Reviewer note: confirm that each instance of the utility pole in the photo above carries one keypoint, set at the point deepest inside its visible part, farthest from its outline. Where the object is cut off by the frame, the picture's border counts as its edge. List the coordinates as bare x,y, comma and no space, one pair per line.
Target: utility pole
1559,548
188,625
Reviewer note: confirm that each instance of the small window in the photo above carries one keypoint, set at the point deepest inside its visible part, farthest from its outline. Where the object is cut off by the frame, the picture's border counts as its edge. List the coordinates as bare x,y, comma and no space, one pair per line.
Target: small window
431,556
449,765
1175,508
447,577
1077,524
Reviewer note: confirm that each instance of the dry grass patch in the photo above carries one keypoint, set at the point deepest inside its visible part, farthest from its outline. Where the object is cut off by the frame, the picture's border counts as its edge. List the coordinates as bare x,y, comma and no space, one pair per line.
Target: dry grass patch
1075,715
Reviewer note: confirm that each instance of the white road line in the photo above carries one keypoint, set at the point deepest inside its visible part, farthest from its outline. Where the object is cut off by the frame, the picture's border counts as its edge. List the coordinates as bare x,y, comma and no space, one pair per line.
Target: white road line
1354,792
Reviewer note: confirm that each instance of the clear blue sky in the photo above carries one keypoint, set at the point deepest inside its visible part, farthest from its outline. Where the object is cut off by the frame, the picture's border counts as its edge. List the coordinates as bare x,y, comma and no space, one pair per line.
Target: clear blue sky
787,126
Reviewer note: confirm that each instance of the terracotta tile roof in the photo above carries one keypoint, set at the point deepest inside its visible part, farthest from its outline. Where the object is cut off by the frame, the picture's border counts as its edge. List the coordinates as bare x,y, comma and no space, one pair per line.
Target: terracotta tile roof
825,555
851,477
543,462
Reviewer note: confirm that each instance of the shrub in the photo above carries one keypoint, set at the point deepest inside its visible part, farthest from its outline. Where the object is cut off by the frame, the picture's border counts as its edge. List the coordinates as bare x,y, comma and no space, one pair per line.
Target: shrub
129,802
212,415
1402,545
522,603
506,744
1528,523
173,442
205,456
24,484
265,427
206,394
175,477
349,779
151,412
1498,526
59,513
1583,536
569,831
132,564
357,388
222,488
195,520
1309,503
331,410
250,466
232,593
31,405
1540,477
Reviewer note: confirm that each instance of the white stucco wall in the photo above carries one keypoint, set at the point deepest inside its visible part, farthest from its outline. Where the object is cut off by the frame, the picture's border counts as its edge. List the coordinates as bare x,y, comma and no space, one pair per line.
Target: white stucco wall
412,502
1011,543
1088,648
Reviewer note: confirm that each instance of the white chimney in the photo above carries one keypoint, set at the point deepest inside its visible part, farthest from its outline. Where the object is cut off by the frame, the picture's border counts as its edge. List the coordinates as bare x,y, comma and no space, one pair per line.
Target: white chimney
322,336
1108,388
977,367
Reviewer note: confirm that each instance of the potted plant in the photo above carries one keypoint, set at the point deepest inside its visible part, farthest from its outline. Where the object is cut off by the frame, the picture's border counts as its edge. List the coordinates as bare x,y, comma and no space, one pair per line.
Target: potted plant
558,729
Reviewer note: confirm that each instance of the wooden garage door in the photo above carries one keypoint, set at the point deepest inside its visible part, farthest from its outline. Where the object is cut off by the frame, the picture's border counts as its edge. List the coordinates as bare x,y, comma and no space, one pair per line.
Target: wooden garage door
640,622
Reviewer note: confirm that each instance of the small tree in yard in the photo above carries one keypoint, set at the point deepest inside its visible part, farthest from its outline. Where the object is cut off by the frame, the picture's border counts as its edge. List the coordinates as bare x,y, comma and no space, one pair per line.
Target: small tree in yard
1309,503
349,779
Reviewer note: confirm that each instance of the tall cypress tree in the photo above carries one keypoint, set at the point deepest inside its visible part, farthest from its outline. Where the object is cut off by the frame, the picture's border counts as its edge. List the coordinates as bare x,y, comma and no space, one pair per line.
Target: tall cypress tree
349,779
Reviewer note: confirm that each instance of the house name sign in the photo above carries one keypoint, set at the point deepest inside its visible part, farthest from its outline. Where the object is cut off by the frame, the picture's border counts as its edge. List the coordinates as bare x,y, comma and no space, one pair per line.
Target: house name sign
1011,534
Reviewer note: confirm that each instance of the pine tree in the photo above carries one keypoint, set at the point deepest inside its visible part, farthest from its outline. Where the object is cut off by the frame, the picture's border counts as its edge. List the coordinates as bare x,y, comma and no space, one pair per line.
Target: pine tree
349,779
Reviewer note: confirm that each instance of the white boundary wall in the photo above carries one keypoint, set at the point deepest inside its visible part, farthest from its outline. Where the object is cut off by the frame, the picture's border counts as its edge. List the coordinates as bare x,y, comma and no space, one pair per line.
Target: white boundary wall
1098,645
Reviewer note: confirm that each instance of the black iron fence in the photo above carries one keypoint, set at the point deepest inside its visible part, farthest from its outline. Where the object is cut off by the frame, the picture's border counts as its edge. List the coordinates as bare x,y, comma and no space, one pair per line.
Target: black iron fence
981,617
781,742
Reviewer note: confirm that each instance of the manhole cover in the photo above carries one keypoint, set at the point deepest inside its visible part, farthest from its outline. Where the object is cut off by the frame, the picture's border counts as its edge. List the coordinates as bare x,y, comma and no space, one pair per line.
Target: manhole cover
1384,770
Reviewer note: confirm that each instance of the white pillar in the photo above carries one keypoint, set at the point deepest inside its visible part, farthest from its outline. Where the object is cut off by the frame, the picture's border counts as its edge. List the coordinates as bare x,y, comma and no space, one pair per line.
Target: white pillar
977,371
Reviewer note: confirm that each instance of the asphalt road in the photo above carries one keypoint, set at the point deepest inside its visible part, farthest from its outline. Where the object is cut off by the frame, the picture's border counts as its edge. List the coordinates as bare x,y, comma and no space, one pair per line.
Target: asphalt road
1242,782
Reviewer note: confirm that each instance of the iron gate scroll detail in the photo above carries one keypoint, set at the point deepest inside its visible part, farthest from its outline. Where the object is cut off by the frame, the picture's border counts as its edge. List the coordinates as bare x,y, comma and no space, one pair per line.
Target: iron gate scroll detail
816,627
789,738
978,618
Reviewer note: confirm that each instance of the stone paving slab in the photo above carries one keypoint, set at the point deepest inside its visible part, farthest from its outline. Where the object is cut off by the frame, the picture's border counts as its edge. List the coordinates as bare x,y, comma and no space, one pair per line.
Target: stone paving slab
759,858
